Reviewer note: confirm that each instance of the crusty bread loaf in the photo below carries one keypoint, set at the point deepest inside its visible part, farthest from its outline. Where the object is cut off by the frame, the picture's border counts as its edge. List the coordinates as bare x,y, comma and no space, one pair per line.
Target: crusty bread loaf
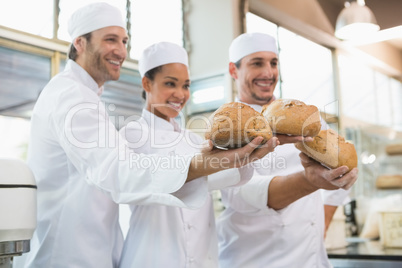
330,149
393,149
236,124
292,117
389,182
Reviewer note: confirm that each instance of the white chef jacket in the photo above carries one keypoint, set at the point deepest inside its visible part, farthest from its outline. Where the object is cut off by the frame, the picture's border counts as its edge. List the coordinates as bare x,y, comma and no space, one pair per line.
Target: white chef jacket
252,235
162,236
83,168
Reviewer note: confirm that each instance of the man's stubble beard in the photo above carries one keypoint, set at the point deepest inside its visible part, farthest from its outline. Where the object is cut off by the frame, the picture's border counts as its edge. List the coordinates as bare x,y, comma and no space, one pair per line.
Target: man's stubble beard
257,98
260,99
96,63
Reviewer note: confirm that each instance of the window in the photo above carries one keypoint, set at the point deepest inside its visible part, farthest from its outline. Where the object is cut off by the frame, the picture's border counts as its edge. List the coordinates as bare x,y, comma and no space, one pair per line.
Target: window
154,21
23,15
258,24
23,76
383,99
151,21
21,89
67,7
396,99
306,71
369,96
357,90
207,94
14,137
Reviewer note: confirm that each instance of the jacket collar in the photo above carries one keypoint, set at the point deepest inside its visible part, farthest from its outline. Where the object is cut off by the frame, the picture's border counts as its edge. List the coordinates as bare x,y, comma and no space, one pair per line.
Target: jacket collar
256,107
162,124
84,76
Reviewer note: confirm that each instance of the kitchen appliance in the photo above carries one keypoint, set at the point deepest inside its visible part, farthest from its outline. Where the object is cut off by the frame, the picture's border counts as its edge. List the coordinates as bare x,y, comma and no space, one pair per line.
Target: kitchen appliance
350,220
17,209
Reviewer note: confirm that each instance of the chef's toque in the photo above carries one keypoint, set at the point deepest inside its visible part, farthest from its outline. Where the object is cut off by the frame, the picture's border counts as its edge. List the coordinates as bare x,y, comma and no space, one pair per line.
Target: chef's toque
94,17
160,54
249,43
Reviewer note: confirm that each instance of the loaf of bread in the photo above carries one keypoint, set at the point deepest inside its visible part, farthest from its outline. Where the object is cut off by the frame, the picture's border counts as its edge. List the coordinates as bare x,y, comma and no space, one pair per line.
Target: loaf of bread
292,117
330,149
393,149
236,124
389,182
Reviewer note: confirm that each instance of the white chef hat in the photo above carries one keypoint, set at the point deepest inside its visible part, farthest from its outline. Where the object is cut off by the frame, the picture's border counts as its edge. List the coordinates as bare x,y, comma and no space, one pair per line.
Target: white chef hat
160,54
94,17
248,43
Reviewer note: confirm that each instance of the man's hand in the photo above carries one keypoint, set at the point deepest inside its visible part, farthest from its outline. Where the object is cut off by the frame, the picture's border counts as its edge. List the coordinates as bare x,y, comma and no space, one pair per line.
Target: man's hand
284,190
329,179
212,160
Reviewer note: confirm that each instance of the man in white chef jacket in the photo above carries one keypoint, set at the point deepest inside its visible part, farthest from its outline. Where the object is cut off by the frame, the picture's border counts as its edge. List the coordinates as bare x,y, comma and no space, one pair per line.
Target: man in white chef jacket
277,218
83,167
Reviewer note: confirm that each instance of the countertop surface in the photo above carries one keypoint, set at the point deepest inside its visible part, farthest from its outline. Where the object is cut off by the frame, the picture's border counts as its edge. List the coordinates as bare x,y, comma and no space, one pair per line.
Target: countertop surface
365,249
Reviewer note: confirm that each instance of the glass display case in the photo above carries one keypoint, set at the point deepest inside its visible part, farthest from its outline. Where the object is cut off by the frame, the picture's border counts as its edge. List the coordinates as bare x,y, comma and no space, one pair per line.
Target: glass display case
371,144
374,162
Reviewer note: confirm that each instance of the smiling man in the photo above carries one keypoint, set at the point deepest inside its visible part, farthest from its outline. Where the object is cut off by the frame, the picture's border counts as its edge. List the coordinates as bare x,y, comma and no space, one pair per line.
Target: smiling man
254,66
277,218
67,128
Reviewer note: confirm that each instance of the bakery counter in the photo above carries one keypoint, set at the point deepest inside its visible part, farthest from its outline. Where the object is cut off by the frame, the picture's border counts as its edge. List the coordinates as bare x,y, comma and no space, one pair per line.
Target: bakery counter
365,254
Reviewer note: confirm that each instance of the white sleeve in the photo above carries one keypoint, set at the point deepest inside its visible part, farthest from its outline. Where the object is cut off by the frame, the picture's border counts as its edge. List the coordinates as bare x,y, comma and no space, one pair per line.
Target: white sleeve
99,153
230,177
226,178
250,198
255,192
336,197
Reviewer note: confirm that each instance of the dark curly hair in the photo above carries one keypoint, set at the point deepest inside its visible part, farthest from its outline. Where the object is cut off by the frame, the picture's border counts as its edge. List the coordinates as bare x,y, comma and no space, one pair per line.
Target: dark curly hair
151,76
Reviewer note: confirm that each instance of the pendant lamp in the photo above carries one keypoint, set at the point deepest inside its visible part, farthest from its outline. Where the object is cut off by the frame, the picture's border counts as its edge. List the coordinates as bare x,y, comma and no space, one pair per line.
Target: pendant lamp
355,20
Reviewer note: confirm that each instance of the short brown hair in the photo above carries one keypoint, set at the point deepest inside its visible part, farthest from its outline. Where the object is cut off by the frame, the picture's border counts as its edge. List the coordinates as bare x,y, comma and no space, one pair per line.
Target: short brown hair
72,53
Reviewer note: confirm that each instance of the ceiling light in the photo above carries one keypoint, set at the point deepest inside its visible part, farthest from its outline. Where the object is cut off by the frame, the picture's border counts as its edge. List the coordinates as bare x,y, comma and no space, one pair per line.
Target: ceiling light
380,36
356,20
